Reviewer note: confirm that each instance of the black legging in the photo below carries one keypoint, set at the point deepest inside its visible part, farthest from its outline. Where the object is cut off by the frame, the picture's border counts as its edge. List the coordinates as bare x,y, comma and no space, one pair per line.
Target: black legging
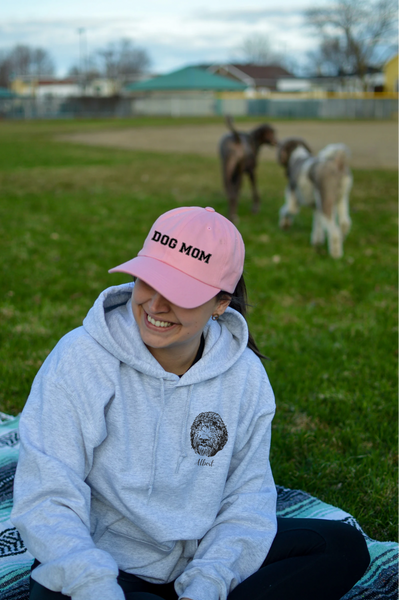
308,560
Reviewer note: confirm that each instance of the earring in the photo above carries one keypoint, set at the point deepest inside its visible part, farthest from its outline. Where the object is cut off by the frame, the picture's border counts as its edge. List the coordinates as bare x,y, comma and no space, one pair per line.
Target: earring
215,317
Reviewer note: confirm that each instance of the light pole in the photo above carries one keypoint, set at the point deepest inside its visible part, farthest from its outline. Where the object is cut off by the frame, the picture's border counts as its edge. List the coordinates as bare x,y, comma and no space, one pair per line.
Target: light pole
81,32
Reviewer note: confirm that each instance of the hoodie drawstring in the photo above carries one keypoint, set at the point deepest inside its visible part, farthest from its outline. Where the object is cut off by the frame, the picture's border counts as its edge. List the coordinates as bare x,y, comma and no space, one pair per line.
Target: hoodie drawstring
183,441
154,448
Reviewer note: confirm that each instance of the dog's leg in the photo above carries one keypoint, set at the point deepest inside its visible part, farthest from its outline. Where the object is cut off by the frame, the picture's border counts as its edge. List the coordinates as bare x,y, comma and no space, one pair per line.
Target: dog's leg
233,190
232,178
334,235
343,205
325,198
289,209
255,194
233,203
318,235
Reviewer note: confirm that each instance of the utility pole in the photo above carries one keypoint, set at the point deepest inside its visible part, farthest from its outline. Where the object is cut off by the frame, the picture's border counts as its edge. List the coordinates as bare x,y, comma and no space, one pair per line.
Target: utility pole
82,59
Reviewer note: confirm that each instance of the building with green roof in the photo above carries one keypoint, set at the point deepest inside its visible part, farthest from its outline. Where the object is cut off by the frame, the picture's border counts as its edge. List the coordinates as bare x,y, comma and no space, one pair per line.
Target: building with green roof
187,79
6,93
188,91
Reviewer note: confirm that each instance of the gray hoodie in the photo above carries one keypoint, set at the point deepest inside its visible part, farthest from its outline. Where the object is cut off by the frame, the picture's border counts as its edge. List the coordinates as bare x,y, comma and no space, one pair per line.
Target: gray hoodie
124,465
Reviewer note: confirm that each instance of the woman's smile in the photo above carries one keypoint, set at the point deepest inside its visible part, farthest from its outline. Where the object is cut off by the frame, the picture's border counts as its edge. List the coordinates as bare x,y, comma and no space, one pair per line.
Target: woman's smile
157,323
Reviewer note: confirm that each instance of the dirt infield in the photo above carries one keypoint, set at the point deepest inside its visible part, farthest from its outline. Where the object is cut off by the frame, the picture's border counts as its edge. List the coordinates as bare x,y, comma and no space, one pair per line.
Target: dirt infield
373,144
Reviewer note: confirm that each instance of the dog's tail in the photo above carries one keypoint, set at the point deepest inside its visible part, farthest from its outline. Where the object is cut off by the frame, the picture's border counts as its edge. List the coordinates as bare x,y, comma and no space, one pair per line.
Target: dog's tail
339,153
230,125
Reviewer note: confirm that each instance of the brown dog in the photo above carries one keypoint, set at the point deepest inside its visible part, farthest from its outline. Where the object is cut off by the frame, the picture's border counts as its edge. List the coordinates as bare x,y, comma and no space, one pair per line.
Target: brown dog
238,154
323,182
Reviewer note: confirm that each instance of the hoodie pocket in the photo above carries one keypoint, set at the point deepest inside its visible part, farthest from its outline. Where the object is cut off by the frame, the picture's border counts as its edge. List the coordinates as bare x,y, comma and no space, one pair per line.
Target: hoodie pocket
131,546
165,547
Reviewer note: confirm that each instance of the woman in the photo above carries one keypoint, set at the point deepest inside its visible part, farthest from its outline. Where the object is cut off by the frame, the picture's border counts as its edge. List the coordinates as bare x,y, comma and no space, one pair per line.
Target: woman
144,467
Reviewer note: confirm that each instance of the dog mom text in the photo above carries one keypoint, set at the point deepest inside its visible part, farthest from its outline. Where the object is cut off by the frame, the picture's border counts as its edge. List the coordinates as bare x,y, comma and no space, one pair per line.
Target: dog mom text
165,240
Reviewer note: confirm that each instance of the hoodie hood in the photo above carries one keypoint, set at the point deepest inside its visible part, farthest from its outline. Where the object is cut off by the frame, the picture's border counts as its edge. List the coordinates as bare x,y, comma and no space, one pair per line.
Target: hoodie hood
110,322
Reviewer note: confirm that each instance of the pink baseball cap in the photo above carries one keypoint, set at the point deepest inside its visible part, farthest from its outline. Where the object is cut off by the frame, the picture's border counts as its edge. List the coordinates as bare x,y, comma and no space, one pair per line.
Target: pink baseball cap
190,254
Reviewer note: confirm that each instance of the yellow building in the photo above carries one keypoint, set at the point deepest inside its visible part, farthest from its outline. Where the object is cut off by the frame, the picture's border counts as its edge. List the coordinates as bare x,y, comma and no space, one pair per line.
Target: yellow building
23,88
391,75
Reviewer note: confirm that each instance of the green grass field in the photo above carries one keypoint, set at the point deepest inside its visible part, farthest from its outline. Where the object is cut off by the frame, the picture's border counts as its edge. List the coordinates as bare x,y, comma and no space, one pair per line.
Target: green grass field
68,213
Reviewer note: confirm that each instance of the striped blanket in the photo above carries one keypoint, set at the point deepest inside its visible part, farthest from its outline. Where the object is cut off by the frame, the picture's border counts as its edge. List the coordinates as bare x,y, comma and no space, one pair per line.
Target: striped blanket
378,583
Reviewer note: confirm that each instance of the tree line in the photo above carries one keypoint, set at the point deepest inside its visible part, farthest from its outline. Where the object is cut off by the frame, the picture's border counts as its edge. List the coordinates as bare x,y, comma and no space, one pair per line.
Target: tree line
352,35
120,61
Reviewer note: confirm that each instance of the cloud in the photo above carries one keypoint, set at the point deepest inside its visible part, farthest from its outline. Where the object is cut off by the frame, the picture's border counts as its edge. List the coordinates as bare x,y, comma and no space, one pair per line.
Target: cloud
251,15
172,40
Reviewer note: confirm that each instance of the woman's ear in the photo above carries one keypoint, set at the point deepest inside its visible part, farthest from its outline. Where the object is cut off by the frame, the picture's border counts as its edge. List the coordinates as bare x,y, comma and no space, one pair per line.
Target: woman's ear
222,305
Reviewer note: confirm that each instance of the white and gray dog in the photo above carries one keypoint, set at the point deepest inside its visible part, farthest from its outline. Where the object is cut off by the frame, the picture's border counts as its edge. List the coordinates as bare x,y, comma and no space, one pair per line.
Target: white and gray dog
324,182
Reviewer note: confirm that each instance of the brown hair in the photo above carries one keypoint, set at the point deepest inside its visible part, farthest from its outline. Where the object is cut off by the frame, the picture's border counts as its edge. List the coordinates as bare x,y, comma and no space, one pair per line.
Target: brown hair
239,301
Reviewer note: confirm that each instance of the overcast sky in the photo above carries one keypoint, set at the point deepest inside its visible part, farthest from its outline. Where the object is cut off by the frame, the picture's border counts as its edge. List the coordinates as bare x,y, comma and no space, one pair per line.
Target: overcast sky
175,33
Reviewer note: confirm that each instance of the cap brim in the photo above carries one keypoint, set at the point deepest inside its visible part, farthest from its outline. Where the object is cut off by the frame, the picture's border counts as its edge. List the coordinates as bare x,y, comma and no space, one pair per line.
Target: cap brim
177,287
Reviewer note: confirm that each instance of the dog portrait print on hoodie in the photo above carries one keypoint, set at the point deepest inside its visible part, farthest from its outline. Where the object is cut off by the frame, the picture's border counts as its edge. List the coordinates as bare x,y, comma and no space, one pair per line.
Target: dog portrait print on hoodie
208,434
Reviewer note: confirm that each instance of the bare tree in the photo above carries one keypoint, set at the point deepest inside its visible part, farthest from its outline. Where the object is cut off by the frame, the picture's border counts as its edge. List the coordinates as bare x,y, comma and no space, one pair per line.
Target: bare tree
331,58
123,61
119,61
257,49
91,70
352,34
25,62
42,64
5,69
